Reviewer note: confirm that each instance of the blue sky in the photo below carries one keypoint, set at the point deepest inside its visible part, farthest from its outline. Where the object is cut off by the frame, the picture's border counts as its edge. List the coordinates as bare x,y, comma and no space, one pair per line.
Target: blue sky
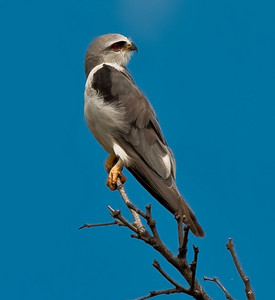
208,68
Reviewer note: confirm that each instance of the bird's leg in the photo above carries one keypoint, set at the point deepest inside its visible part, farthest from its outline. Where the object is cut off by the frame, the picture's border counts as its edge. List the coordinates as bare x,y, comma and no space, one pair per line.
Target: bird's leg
110,162
114,173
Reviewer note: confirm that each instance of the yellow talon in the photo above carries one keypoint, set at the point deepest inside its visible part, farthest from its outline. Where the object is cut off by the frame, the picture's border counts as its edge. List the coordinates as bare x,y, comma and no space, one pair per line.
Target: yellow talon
114,173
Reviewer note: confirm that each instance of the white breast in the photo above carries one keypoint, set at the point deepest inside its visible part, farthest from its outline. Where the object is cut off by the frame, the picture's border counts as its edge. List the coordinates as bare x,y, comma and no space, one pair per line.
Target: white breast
102,118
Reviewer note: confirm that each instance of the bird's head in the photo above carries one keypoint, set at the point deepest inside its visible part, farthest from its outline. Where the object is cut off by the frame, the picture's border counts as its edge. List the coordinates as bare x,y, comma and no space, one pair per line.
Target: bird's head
109,48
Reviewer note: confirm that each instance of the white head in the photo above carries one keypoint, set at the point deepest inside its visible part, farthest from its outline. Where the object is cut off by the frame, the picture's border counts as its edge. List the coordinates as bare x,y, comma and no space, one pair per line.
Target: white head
109,48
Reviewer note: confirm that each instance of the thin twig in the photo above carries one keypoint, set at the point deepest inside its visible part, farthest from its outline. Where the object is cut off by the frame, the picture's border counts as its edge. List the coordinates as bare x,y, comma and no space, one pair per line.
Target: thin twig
127,201
193,267
157,293
166,276
248,289
116,222
216,280
183,248
154,240
134,236
117,215
138,211
148,209
180,233
181,265
178,288
151,222
147,216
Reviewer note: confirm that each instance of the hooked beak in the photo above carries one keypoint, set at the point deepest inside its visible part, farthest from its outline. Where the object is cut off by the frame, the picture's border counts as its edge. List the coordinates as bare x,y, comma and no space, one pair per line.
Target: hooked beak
131,47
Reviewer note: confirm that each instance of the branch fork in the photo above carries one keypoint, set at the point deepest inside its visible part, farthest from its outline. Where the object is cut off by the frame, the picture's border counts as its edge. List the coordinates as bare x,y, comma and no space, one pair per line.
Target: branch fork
151,237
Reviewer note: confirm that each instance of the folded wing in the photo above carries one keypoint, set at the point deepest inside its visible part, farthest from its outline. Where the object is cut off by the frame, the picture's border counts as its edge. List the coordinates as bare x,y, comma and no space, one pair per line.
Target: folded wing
139,135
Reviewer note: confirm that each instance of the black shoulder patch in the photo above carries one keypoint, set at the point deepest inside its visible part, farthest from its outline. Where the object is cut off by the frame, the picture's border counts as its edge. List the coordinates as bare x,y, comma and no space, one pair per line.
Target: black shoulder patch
102,83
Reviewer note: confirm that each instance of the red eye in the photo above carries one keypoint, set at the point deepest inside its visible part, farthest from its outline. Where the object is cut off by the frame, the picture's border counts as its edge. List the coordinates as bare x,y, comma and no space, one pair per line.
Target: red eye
116,46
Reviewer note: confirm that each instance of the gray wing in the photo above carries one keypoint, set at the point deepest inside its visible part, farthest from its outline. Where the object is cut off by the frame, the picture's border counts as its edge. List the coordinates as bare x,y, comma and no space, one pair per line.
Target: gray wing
140,136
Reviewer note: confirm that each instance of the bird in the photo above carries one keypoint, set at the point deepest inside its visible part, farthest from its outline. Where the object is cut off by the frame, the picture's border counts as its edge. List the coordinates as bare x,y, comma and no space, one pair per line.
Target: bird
125,124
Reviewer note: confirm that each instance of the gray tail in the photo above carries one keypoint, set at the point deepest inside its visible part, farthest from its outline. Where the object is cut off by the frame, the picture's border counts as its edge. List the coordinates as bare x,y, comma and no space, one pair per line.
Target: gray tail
190,219
165,192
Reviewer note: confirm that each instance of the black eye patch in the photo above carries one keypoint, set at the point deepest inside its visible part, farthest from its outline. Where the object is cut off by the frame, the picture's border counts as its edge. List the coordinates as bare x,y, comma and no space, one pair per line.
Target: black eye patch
118,45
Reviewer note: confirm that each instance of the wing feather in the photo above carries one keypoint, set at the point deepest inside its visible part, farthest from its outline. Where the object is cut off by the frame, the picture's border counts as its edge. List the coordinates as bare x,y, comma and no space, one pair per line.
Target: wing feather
140,136
140,128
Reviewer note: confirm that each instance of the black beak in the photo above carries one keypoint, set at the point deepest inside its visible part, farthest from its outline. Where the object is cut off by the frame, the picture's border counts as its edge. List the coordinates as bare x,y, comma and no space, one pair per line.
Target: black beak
133,47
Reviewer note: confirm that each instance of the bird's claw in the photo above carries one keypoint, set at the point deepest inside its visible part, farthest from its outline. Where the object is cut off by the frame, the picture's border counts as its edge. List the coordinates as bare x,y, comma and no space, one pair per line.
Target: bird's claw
114,173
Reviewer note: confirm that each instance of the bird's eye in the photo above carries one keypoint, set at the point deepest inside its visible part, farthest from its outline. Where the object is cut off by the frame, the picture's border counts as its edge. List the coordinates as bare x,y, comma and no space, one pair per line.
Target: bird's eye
116,46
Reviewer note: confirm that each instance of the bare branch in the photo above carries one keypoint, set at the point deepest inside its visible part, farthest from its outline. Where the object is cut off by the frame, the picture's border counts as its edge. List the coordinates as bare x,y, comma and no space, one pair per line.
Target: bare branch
166,276
216,280
178,288
127,201
193,267
117,215
180,233
183,248
148,217
157,293
188,272
178,262
151,222
134,236
116,222
181,265
248,289
140,212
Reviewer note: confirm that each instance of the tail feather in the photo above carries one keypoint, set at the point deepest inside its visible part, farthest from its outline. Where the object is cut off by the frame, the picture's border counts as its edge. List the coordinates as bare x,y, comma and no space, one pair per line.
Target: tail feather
190,219
167,194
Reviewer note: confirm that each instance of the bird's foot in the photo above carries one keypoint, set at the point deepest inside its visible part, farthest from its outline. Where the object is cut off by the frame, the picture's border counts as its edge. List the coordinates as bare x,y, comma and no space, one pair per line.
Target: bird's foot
114,173
110,162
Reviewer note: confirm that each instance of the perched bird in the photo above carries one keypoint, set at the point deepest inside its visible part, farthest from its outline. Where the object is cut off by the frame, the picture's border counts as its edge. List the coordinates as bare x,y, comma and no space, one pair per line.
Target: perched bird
125,124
